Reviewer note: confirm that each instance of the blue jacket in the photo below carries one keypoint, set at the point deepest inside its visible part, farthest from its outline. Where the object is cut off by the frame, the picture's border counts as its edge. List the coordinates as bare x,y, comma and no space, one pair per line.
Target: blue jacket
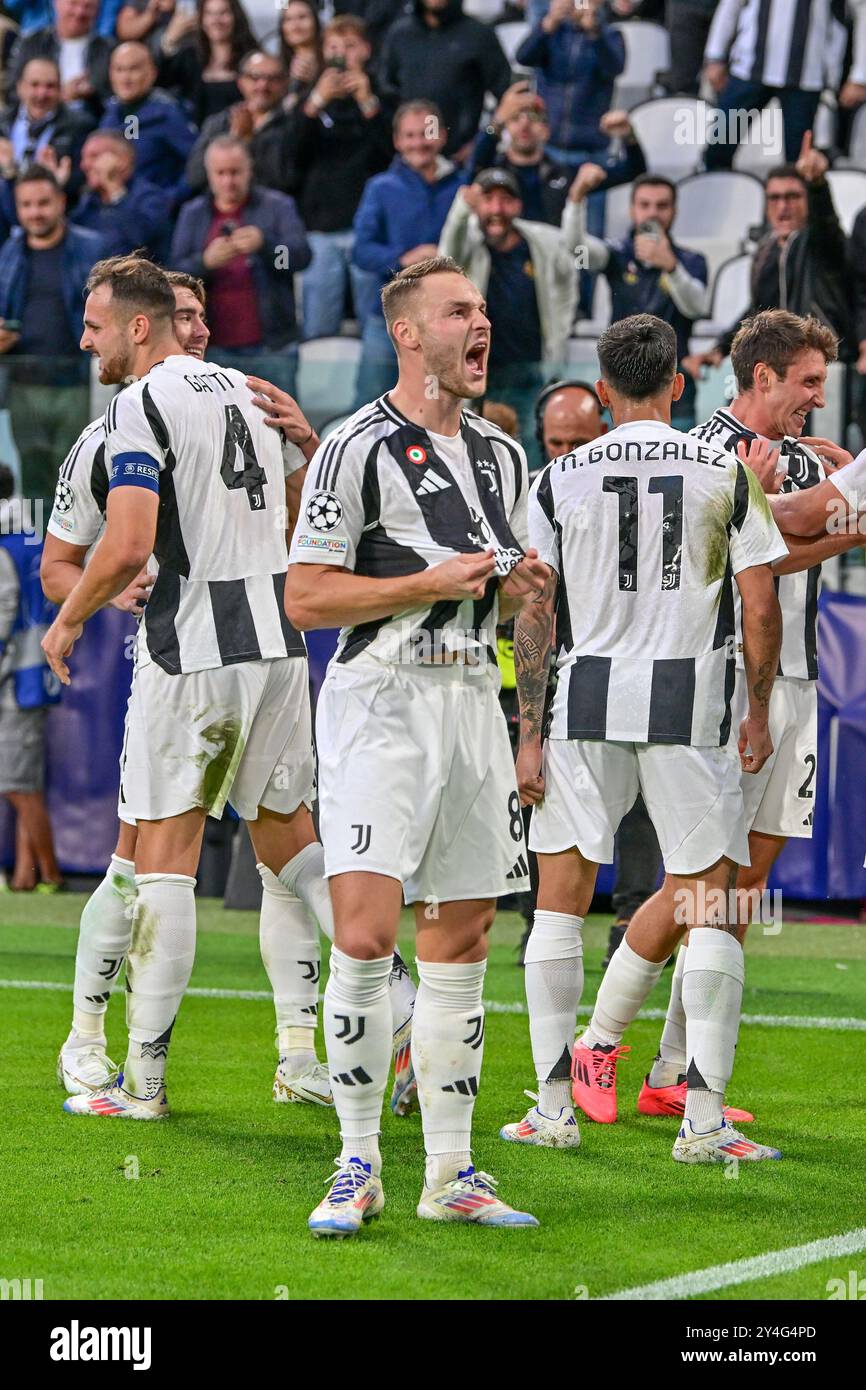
141,218
35,682
399,210
285,250
162,140
81,250
575,77
38,14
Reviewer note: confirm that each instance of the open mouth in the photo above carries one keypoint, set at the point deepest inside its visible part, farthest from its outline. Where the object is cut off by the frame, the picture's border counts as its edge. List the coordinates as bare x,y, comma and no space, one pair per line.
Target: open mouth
476,359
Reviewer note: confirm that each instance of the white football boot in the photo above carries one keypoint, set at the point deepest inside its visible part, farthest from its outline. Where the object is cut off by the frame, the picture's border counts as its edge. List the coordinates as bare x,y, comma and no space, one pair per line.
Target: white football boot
355,1195
720,1145
310,1085
543,1131
83,1070
470,1197
113,1103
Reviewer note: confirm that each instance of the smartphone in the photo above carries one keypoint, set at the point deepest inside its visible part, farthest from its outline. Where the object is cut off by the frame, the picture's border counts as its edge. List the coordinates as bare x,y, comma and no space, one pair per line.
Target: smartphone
11,325
337,62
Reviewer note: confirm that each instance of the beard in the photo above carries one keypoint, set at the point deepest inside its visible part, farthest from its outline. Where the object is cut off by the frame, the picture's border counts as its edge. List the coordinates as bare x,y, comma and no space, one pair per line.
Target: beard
445,366
114,368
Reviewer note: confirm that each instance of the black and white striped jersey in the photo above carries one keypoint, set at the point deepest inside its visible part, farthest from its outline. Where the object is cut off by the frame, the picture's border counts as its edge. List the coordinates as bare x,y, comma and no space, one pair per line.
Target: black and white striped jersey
645,528
850,481
798,593
78,514
383,497
786,43
188,430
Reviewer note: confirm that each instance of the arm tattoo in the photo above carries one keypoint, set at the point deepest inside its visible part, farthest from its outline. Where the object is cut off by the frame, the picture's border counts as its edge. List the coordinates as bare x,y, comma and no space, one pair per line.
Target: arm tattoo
762,685
533,638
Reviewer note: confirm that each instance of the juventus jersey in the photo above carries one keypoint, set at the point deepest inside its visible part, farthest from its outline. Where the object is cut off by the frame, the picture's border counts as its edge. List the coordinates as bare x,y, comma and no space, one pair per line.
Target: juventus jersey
798,593
78,514
783,43
645,528
383,497
188,430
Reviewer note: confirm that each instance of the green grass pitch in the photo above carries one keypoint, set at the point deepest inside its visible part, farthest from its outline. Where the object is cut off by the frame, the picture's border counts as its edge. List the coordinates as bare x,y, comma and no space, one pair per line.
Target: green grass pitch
219,1206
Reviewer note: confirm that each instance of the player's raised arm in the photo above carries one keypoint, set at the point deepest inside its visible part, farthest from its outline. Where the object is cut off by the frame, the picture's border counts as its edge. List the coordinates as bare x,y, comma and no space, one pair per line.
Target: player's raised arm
830,509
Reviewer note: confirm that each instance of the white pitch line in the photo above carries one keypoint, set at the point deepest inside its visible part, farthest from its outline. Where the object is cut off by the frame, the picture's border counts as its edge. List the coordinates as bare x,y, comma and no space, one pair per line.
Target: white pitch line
743,1271
497,1006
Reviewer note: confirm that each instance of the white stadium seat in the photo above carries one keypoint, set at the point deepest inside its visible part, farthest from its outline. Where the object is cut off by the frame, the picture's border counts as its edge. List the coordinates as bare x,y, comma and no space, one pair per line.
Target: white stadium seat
672,131
765,146
731,292
715,212
487,11
647,53
327,368
857,142
616,215
848,187
511,36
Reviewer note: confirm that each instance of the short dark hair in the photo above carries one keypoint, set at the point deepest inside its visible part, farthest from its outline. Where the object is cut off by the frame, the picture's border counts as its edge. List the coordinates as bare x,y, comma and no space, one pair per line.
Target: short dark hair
136,283
638,356
182,280
7,482
416,107
652,181
400,289
777,337
37,173
786,171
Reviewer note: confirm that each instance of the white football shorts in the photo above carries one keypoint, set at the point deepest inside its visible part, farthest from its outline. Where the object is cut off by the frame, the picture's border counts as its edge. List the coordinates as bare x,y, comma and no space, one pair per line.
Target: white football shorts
692,796
780,799
238,733
416,780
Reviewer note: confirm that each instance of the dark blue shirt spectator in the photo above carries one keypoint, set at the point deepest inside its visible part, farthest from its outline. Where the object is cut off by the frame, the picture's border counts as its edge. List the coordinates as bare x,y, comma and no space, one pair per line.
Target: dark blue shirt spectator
125,210
577,57
155,122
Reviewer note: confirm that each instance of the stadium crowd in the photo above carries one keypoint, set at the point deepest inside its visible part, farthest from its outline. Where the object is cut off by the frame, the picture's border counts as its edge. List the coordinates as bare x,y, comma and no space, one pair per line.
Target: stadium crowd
294,158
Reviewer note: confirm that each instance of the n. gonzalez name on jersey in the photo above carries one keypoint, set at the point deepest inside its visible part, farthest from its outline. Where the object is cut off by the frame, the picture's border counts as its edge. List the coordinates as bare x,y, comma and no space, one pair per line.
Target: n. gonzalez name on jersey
383,497
798,593
646,528
189,431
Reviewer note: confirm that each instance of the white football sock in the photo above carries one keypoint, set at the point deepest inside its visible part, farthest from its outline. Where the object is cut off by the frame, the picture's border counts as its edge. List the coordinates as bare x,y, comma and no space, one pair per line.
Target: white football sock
712,998
670,1064
623,989
304,876
554,983
289,942
358,1038
103,940
158,968
447,1050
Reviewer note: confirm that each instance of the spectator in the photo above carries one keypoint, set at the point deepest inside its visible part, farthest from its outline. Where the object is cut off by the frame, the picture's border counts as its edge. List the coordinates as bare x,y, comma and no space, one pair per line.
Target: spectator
647,271
344,139
801,263
79,50
792,52
146,21
259,121
201,62
577,56
43,269
127,212
156,122
378,15
689,23
439,53
24,693
37,14
526,271
399,221
40,127
521,118
568,414
300,47
245,243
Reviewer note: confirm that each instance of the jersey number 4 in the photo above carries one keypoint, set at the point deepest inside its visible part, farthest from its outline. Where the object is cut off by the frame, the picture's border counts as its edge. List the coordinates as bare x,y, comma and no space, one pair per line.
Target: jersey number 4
251,477
671,489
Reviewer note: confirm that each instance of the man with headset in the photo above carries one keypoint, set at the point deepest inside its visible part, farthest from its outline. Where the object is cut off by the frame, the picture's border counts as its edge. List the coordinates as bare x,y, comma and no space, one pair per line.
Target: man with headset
567,415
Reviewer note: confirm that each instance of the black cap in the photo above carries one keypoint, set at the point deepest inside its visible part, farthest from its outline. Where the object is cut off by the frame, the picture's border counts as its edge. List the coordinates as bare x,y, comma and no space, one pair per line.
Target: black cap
489,179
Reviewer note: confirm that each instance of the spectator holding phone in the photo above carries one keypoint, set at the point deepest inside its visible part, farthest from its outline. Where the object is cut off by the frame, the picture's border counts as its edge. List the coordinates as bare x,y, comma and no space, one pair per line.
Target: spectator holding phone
300,47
